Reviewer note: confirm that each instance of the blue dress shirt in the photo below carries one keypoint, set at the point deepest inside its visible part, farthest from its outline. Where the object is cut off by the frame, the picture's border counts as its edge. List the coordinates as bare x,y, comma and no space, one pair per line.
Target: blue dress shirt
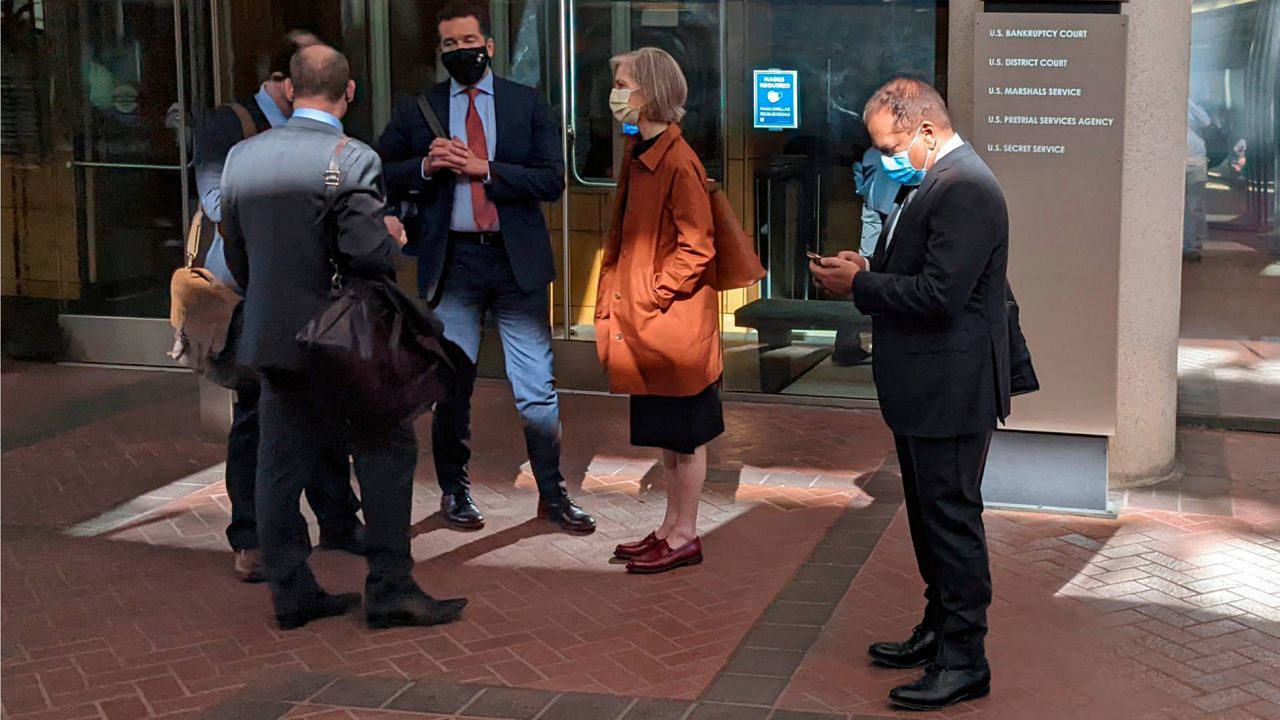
319,115
464,219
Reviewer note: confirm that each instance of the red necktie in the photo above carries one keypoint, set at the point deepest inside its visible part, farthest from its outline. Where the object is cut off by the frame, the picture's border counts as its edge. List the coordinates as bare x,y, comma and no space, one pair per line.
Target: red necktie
485,212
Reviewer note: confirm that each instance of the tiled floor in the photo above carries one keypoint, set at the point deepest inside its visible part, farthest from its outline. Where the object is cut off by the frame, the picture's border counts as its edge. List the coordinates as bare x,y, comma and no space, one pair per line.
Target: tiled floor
1162,613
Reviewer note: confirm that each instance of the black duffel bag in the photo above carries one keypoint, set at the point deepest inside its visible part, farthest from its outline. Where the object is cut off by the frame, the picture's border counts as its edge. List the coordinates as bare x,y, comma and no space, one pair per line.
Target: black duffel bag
382,360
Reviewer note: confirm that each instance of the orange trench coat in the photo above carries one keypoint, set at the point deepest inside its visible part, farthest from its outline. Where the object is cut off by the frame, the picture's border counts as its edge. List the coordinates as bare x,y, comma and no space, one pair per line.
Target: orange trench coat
657,331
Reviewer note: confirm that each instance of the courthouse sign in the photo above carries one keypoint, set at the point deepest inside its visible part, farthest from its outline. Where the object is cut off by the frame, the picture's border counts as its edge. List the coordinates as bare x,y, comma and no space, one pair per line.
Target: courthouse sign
1048,118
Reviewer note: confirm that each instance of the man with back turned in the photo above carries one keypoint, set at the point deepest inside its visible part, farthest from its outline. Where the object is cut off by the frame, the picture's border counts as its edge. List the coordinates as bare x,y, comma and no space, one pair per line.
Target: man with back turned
936,289
330,496
285,231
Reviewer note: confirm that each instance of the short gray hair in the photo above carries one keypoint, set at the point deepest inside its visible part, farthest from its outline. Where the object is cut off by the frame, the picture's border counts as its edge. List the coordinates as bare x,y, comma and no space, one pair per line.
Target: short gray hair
911,101
660,79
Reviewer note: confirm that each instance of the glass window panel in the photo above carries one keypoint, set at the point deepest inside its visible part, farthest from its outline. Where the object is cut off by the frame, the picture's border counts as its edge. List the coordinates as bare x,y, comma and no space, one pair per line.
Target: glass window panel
784,336
1229,352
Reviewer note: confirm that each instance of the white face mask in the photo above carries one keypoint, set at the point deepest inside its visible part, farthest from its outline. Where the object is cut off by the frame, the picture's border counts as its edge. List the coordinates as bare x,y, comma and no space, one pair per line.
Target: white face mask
620,105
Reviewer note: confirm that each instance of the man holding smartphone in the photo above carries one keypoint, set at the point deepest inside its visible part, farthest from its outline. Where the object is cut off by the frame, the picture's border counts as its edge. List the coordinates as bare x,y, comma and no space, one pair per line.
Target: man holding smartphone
936,291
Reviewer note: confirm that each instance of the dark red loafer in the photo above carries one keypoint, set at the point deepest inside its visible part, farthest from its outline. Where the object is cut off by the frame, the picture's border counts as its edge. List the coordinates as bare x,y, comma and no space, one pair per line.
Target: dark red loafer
631,550
662,558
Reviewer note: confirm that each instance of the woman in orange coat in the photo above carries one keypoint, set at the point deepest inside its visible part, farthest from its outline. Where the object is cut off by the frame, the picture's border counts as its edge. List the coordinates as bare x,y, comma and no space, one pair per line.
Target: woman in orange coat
657,330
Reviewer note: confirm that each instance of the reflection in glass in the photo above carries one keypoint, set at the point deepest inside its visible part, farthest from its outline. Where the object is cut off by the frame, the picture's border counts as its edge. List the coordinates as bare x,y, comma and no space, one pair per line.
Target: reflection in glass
1229,354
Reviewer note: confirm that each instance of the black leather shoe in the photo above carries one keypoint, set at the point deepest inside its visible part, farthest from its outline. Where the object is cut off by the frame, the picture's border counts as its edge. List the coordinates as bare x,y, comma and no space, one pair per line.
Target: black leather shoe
351,541
941,687
460,511
919,649
412,608
317,607
565,513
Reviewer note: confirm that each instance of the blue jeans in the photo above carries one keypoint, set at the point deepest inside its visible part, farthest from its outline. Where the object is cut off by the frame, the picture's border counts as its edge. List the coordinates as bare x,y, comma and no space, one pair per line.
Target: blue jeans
478,280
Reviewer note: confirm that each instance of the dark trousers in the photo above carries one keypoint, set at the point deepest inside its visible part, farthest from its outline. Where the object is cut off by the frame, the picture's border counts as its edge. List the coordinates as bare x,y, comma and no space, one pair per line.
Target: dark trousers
480,281
942,480
331,496
297,434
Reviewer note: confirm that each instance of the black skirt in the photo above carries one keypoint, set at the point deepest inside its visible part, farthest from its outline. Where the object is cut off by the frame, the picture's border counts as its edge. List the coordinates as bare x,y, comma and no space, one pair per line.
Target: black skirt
678,424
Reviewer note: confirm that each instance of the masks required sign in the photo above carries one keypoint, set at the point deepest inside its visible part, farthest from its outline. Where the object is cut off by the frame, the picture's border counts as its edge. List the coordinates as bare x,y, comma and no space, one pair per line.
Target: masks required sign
777,99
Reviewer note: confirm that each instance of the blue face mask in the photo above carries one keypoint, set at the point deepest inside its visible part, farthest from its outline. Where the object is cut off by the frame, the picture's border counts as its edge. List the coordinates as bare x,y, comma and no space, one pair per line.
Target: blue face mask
899,168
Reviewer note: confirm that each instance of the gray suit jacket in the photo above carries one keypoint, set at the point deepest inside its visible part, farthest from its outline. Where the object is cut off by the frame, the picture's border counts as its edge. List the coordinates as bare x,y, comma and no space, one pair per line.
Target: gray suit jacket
278,246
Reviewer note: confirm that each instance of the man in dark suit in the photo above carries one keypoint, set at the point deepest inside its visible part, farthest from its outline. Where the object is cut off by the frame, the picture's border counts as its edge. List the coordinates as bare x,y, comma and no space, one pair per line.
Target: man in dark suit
483,246
331,498
935,289
285,229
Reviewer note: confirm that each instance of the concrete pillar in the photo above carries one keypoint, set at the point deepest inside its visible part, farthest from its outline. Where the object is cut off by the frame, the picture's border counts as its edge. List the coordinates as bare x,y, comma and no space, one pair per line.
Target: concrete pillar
960,49
1143,449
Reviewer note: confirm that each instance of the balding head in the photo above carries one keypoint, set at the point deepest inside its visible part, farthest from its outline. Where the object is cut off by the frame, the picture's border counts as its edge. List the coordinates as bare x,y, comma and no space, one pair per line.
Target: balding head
910,101
319,72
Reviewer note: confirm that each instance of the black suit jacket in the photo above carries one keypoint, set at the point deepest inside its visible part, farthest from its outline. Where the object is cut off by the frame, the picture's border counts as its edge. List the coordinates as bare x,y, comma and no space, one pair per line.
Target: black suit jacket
279,249
936,295
527,170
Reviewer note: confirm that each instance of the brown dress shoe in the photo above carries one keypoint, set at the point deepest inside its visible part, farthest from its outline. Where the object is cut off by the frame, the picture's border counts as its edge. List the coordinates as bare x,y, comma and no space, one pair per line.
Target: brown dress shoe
248,566
662,558
632,550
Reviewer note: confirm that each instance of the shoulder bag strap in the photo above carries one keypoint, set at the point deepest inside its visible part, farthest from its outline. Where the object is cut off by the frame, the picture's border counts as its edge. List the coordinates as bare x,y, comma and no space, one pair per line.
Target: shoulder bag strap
193,238
429,115
247,126
333,176
332,180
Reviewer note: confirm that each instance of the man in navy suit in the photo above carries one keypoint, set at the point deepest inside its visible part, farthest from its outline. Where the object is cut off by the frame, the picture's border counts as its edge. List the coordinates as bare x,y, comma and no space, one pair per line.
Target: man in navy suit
482,246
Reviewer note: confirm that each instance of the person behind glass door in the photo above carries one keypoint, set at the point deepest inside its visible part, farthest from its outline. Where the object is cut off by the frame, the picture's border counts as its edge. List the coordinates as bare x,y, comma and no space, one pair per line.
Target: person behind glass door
331,497
878,192
482,245
1195,226
656,324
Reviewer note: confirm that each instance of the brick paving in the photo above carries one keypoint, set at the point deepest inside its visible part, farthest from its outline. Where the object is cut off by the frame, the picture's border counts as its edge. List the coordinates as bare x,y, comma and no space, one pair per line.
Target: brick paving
1162,612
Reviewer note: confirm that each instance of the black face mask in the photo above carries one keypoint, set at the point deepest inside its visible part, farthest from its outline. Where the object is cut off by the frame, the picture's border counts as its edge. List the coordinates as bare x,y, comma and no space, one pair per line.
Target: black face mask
466,65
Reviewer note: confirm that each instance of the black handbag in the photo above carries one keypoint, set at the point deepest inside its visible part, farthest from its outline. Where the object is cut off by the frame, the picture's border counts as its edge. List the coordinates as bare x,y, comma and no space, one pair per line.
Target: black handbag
383,360
1022,375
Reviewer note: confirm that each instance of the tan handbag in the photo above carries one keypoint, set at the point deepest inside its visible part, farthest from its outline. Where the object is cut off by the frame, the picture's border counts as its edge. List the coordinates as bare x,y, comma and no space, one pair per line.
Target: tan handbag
736,264
200,307
200,310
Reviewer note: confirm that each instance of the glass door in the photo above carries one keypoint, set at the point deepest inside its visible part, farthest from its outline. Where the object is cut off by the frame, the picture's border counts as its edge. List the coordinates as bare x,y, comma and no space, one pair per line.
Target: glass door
594,32
137,69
